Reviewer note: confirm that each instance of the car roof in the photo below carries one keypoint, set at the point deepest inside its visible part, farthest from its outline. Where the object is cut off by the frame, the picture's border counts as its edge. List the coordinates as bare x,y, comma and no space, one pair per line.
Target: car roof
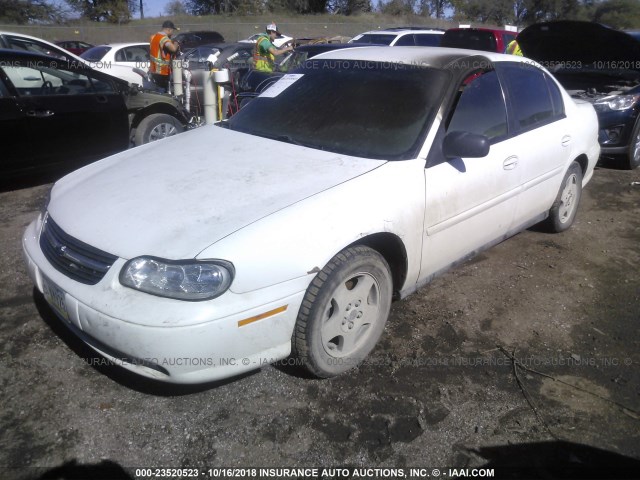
436,57
35,56
482,29
29,37
400,30
323,46
122,44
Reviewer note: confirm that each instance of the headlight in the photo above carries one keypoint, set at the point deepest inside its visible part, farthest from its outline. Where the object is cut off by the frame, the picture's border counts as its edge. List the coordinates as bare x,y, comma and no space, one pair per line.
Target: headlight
616,102
182,280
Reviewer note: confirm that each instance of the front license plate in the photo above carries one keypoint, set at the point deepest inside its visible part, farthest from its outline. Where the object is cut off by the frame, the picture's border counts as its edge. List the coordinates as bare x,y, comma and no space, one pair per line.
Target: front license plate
55,296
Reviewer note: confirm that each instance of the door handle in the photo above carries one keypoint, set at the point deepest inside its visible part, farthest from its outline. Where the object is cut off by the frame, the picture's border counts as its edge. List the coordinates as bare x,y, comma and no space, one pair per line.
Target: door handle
40,113
101,99
566,140
510,163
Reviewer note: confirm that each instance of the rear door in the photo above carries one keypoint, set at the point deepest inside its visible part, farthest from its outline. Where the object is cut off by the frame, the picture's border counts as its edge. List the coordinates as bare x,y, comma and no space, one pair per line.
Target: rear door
72,115
539,121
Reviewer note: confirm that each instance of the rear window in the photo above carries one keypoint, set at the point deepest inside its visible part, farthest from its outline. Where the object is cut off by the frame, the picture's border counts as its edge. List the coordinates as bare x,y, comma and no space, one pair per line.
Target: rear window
376,38
471,39
96,54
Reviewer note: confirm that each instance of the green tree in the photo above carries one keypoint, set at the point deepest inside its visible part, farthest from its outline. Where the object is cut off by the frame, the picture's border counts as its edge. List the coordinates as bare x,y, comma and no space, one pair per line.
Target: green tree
175,8
113,11
497,12
397,7
547,10
29,11
621,14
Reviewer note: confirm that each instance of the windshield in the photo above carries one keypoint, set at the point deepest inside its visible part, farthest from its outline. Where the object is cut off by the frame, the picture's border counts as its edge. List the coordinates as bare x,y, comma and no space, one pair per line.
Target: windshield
360,108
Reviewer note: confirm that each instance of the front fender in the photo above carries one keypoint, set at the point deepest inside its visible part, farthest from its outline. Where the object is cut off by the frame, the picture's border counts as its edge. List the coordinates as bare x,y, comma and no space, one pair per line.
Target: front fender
299,240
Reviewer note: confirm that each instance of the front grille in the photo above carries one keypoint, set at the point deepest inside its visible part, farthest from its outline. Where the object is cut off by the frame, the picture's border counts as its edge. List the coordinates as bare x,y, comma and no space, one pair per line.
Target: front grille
72,257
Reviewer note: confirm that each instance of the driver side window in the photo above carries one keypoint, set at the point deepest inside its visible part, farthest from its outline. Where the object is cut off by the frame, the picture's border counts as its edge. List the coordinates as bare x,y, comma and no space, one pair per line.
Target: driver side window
480,107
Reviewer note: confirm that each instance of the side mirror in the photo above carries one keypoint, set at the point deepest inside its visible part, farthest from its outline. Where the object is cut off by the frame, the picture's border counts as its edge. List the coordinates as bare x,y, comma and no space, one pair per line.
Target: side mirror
465,145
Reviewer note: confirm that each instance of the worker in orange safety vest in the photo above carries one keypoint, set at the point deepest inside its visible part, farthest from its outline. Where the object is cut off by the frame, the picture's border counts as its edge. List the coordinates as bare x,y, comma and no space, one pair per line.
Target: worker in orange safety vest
161,50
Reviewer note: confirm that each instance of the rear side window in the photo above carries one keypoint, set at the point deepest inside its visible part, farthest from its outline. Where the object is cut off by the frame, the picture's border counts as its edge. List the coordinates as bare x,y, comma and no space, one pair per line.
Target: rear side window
428,39
405,41
481,108
471,39
96,54
536,99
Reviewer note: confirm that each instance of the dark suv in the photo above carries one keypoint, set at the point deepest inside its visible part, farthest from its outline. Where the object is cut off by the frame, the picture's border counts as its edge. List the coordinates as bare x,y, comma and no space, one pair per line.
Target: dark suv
600,65
486,39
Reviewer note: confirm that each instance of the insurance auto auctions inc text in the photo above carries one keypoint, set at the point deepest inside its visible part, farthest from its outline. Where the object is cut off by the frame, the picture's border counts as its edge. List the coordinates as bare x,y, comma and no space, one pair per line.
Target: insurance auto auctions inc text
324,473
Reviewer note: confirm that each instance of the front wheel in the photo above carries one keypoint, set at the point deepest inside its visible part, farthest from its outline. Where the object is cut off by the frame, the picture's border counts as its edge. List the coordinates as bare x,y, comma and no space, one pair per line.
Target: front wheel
564,209
343,312
155,127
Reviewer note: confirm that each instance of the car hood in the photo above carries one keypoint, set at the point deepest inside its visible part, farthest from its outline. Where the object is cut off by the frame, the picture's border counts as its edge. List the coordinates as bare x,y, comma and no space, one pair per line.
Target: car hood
553,43
175,197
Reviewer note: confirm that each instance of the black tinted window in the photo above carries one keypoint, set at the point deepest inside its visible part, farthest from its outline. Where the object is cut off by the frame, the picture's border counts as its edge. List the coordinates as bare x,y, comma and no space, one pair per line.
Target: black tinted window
535,98
405,41
428,39
472,39
96,54
481,108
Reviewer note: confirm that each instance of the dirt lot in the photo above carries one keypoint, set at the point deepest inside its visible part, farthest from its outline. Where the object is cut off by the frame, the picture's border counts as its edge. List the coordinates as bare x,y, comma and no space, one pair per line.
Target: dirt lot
439,391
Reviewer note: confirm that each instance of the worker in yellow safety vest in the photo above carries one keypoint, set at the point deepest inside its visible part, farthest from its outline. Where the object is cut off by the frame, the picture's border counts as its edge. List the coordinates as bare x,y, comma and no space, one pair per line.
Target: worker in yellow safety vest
160,52
513,48
264,54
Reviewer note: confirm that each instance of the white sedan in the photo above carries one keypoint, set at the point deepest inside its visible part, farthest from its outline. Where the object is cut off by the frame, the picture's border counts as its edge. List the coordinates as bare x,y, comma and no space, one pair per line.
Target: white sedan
115,55
19,41
291,227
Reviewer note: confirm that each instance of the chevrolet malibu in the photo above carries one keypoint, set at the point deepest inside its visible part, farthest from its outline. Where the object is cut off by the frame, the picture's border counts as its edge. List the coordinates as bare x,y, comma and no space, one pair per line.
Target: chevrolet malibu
289,228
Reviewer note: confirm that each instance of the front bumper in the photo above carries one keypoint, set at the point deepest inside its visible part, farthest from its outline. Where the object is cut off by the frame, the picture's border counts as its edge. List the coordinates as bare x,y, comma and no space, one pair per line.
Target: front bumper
170,340
615,129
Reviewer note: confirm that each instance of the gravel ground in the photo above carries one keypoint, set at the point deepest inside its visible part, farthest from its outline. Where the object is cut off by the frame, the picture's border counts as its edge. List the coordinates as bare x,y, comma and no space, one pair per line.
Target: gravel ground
439,391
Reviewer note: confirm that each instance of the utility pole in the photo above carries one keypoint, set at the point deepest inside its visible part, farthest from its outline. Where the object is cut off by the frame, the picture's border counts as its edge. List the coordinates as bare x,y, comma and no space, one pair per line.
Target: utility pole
141,11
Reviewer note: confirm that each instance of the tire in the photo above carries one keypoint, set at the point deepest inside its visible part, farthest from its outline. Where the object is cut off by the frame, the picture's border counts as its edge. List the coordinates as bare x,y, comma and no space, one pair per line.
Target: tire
633,154
564,209
343,312
155,127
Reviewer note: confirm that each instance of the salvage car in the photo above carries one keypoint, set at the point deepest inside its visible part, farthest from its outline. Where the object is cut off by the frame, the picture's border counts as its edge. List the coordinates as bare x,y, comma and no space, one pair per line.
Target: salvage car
401,37
55,114
485,39
600,65
290,227
20,41
152,115
133,55
77,47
